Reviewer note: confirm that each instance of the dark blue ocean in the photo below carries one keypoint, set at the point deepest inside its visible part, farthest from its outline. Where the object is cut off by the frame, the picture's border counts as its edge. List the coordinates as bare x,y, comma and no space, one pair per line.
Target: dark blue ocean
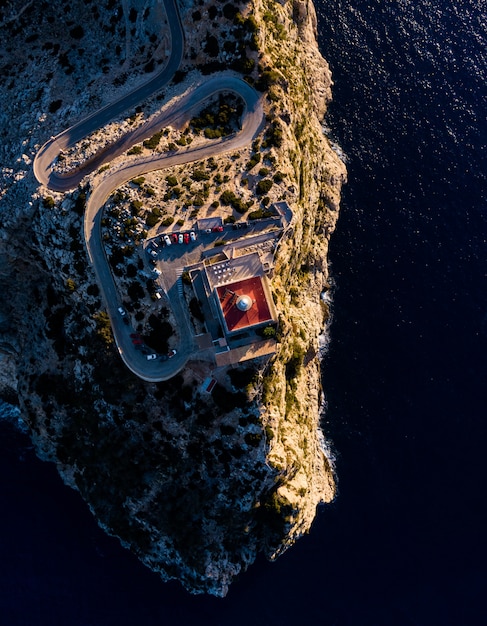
405,376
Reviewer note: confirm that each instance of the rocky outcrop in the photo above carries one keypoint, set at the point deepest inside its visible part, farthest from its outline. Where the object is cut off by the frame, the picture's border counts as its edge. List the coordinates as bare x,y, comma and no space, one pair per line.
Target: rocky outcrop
195,485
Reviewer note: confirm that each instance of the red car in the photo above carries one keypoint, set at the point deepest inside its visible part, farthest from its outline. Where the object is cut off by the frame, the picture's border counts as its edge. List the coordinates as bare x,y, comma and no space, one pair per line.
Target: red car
137,342
174,237
217,229
186,238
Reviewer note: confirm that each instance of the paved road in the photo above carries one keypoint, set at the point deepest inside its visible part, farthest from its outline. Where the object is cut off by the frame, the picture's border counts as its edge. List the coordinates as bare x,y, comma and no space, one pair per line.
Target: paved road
69,137
253,117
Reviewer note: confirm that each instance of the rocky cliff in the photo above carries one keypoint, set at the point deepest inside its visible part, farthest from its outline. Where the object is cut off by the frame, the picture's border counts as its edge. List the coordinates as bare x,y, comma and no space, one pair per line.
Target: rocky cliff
195,485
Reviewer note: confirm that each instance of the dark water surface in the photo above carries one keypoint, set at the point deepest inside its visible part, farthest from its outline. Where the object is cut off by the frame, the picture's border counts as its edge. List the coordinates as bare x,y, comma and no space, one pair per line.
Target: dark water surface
406,374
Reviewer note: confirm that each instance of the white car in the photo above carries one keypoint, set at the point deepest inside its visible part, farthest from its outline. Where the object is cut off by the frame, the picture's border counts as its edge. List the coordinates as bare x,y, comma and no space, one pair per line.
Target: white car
192,236
156,271
122,311
167,241
151,357
180,238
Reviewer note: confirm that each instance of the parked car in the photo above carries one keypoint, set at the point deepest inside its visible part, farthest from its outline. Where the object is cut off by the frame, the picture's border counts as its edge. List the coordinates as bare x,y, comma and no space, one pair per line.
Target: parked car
167,241
122,311
174,237
152,253
171,353
137,342
156,271
192,235
217,229
186,238
151,357
180,238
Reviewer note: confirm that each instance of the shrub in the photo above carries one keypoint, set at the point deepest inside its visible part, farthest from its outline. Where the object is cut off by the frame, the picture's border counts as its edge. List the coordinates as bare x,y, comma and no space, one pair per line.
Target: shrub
135,207
230,11
135,150
212,46
253,439
153,142
267,79
242,376
138,181
48,202
263,186
227,400
269,332
55,105
186,278
103,327
273,136
70,285
278,177
77,32
151,220
200,175
167,221
172,181
212,133
256,158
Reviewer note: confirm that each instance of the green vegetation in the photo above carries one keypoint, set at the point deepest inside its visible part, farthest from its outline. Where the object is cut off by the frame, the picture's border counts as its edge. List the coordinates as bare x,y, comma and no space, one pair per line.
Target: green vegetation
103,327
254,159
153,142
167,221
229,198
154,217
267,79
172,181
242,377
140,180
220,119
263,186
261,214
273,137
293,365
186,278
135,150
199,175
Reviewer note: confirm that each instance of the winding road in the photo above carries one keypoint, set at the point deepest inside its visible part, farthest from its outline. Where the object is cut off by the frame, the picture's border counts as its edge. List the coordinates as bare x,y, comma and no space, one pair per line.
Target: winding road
252,119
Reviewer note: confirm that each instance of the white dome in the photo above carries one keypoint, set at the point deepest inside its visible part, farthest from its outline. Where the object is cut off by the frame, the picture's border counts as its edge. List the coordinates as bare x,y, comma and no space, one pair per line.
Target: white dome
244,303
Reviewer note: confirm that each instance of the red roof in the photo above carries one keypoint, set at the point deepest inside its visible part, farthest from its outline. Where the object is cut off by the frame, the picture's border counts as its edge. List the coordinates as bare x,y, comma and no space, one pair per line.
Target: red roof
235,318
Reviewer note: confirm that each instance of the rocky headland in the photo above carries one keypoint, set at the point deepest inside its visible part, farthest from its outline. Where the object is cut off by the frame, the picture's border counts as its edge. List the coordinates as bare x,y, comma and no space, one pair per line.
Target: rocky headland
195,484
